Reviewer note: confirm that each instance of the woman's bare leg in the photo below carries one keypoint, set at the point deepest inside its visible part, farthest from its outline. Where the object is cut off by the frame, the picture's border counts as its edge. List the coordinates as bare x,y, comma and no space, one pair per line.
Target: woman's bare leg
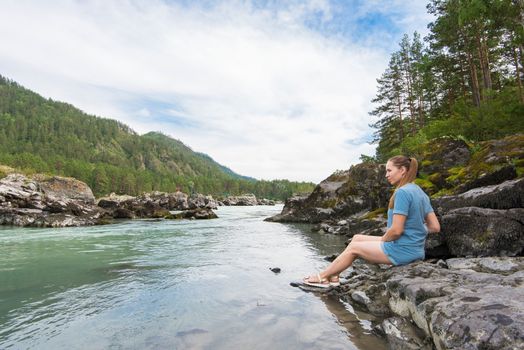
363,246
360,238
355,238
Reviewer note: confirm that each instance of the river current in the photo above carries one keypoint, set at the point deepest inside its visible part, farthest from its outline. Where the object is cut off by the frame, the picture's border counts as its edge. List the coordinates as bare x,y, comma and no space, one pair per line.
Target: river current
162,284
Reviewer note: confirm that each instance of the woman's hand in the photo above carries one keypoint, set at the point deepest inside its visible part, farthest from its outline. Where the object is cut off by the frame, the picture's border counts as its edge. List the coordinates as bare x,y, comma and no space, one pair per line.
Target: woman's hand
432,223
397,228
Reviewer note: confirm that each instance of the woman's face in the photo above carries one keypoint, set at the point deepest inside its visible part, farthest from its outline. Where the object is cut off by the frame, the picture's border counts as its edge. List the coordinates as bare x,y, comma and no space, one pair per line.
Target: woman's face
394,174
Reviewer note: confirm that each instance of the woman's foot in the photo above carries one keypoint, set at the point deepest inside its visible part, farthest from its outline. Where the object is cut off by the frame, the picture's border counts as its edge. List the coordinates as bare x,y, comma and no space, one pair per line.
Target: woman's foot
334,281
317,281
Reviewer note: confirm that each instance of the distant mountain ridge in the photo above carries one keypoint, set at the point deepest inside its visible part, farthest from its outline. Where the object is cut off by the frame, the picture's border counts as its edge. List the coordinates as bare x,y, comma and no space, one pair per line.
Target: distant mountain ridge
226,169
176,144
42,135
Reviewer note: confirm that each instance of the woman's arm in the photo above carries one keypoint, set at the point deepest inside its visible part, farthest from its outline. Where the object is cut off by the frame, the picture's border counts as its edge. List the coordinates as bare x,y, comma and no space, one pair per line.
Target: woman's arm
432,223
397,228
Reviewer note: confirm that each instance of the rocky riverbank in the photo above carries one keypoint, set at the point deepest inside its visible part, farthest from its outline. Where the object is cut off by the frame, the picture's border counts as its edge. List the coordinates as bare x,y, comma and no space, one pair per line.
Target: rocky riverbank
53,201
470,293
459,303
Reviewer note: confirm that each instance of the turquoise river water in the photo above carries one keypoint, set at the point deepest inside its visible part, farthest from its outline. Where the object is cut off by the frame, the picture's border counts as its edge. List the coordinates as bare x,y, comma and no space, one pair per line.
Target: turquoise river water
160,284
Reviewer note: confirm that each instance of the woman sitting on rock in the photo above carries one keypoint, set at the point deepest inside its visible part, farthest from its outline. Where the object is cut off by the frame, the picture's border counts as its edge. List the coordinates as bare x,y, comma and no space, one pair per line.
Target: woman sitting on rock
410,218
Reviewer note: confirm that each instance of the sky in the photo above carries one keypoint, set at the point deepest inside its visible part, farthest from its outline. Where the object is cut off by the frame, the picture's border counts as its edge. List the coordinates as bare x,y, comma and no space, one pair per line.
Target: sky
270,89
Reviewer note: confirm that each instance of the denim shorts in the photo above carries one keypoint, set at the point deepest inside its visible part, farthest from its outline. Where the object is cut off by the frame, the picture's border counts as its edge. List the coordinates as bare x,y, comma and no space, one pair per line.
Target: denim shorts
400,254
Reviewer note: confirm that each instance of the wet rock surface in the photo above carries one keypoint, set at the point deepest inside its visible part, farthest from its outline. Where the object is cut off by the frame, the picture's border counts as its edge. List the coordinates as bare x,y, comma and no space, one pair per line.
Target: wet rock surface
402,334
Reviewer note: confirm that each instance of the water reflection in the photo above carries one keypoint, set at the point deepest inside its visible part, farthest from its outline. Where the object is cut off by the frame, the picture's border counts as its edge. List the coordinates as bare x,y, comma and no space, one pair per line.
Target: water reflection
357,323
322,244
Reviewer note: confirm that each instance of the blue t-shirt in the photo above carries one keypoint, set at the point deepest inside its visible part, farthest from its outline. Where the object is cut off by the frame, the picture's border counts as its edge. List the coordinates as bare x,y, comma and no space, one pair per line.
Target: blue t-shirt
412,202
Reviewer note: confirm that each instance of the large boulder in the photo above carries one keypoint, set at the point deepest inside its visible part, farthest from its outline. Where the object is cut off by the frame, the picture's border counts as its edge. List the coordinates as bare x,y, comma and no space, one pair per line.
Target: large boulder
243,200
436,246
168,201
199,214
43,201
265,201
344,193
123,206
473,231
113,201
506,195
478,232
445,153
200,201
57,187
290,212
16,190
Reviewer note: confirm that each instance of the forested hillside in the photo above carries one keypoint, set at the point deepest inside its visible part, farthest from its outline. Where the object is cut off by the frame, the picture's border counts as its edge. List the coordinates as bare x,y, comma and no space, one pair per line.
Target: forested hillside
39,135
464,80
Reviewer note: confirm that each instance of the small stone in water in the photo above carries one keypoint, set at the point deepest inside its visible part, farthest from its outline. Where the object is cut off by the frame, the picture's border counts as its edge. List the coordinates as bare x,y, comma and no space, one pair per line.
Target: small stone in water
331,258
275,269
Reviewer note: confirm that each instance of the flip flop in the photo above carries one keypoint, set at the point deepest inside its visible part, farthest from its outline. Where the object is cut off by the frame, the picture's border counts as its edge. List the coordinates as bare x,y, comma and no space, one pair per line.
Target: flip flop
323,283
335,283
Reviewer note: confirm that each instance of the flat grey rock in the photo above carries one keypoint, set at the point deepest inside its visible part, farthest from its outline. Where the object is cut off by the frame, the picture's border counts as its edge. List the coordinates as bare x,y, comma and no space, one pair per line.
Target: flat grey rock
308,288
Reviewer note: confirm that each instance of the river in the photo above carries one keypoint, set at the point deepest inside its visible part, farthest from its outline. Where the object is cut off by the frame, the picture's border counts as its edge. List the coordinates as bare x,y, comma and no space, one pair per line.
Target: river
161,284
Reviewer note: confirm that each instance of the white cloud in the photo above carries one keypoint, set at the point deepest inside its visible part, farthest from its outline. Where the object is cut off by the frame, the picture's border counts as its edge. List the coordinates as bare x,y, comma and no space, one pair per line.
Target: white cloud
253,87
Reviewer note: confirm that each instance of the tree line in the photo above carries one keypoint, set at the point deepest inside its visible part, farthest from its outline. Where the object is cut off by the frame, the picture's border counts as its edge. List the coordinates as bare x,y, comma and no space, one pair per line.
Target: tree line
45,136
465,79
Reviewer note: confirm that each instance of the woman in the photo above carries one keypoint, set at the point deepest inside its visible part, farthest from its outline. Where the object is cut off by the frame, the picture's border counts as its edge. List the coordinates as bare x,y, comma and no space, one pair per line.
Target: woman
410,218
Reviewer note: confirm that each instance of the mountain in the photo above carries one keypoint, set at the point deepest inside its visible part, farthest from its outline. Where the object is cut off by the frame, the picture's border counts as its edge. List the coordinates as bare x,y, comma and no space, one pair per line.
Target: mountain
226,169
42,135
